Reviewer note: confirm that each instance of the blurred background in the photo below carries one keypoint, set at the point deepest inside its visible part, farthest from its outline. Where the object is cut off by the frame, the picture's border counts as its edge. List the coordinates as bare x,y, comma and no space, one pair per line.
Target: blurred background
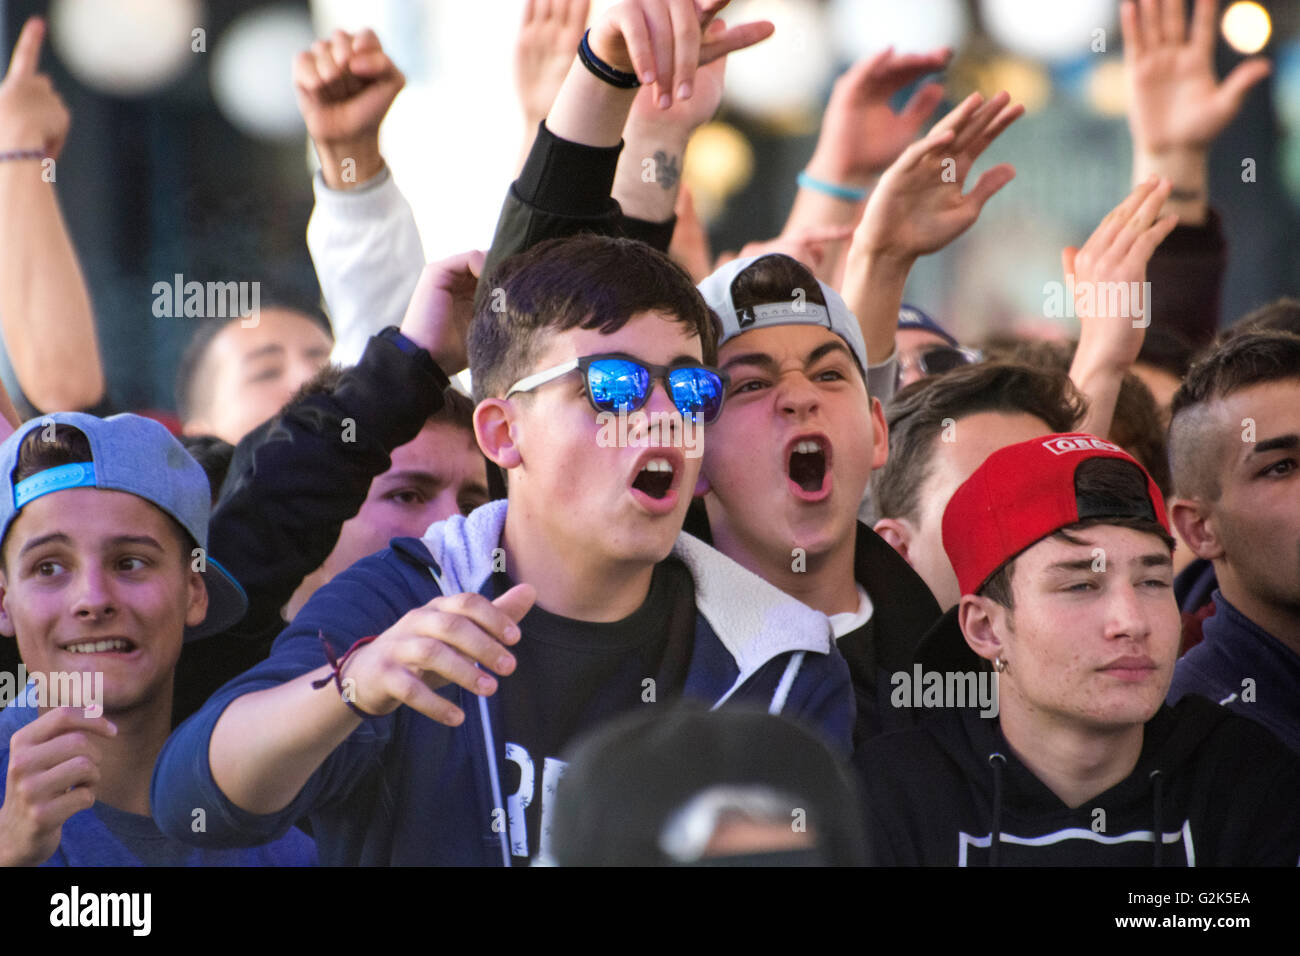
187,154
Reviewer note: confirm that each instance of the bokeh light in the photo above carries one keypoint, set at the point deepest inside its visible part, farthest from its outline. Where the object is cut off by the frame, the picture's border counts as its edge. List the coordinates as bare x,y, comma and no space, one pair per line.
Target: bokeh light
1246,26
127,47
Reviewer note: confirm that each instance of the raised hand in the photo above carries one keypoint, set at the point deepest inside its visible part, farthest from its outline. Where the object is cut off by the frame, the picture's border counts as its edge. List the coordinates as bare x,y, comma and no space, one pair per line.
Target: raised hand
686,114
861,134
1108,275
32,116
1117,253
664,42
441,308
53,771
919,206
345,86
544,50
1176,99
1177,106
661,133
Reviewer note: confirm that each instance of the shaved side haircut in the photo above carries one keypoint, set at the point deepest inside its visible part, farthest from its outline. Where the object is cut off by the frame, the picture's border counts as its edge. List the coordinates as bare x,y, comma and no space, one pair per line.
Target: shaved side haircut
1198,430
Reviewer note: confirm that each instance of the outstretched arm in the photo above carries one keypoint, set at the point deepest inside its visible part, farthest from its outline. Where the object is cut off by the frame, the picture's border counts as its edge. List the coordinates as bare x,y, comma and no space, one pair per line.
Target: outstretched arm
49,325
544,48
1176,104
861,136
362,235
649,171
1108,276
918,208
566,184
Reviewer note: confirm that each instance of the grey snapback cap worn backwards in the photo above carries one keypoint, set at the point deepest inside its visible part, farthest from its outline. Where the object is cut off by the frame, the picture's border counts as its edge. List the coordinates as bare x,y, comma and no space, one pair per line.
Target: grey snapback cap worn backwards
136,455
835,315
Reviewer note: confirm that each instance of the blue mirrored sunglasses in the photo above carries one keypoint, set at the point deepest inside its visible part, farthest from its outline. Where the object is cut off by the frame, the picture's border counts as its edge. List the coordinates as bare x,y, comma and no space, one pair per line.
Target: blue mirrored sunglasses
618,382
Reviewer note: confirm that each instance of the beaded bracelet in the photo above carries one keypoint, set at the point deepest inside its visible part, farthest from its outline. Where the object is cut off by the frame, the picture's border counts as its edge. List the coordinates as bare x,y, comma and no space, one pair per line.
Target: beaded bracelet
847,193
619,78
337,668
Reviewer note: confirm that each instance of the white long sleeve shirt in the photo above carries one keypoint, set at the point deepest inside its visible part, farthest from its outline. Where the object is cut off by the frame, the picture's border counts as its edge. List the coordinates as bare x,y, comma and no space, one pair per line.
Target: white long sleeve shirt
368,257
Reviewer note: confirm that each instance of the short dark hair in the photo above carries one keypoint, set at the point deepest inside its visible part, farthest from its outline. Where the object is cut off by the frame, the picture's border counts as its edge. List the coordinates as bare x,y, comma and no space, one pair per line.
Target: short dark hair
1136,424
1101,480
214,456
916,417
191,383
585,281
1281,315
67,445
1241,361
457,410
780,278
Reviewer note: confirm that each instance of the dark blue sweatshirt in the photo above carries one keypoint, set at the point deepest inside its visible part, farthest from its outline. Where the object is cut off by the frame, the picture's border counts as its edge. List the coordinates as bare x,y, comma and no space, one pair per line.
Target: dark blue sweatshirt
405,790
1243,667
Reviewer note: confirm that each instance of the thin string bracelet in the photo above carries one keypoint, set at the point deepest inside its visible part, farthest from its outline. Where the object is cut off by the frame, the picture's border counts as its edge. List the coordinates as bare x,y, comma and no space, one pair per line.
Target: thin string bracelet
337,668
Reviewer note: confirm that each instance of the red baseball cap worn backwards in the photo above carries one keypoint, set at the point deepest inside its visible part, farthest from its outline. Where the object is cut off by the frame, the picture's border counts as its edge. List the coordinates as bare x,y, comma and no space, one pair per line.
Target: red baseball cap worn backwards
1023,493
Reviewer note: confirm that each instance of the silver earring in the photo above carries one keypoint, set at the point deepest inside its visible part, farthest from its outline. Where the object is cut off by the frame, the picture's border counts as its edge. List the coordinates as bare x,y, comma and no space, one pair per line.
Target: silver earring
1001,665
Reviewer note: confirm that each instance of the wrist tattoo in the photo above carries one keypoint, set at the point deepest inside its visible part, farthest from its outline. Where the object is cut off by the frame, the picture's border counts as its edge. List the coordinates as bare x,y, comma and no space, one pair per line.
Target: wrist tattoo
669,170
1186,195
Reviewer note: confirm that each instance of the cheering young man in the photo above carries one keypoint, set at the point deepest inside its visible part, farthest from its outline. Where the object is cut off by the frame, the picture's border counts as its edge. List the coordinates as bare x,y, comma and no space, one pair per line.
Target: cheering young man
470,658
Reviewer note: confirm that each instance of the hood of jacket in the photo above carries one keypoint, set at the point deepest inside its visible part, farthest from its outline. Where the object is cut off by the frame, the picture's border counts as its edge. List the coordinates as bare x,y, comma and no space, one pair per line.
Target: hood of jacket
753,620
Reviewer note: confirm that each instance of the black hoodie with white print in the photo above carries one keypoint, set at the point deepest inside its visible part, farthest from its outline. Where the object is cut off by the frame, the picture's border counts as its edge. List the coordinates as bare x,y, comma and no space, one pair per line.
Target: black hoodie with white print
1219,789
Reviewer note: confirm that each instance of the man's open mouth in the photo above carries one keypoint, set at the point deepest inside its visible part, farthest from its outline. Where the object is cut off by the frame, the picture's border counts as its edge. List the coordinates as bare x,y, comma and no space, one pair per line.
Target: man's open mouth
655,478
113,645
807,464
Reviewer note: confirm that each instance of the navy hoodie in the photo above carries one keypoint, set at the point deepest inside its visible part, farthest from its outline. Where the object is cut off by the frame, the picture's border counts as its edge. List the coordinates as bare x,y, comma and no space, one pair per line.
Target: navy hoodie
1245,668
406,790
1219,789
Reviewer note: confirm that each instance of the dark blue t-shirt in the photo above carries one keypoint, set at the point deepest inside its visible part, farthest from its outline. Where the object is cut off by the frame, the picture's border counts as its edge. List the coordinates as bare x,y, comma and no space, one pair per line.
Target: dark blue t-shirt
571,676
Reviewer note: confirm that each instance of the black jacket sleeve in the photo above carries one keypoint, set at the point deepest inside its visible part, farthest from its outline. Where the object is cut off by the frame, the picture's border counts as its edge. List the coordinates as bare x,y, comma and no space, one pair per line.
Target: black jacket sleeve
563,190
292,484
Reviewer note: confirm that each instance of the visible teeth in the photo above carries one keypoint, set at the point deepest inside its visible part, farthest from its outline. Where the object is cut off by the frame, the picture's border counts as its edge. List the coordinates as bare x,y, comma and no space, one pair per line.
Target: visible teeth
658,464
807,447
98,647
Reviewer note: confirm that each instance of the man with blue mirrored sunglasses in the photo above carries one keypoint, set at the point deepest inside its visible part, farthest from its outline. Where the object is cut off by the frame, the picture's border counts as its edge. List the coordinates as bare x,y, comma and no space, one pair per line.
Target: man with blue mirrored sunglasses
620,383
499,638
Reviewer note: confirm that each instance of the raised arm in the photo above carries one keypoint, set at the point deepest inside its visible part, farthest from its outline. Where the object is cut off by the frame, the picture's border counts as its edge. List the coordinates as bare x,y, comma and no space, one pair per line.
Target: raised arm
919,208
1108,276
655,138
362,235
861,136
544,48
295,480
1176,110
566,183
1177,106
49,325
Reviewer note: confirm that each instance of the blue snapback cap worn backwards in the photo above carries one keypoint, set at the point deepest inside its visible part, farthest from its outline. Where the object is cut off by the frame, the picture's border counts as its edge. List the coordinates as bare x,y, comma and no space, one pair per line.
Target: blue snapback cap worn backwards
137,455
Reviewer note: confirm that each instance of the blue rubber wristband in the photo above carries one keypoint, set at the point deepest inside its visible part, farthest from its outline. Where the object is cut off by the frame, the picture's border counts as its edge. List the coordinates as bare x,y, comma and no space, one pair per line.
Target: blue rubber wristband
847,193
